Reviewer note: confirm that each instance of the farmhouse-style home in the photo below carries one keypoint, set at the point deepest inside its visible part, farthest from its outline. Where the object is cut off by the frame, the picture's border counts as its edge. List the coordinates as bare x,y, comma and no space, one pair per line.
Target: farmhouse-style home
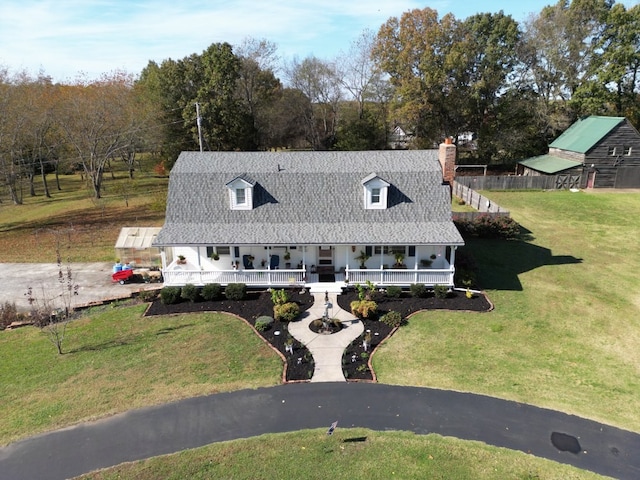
310,218
595,152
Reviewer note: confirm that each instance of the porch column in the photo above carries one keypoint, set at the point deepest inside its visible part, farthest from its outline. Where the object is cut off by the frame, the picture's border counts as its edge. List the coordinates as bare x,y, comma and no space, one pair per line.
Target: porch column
451,263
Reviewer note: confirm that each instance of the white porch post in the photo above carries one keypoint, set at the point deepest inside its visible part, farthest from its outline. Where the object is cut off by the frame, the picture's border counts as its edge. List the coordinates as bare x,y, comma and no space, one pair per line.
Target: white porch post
451,263
163,258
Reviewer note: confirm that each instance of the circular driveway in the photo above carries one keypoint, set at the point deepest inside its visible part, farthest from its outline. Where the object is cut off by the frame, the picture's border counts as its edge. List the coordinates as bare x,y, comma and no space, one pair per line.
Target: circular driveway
199,421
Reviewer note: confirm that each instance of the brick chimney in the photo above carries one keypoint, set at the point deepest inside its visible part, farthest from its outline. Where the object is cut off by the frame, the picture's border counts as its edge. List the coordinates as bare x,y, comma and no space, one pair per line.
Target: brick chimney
447,157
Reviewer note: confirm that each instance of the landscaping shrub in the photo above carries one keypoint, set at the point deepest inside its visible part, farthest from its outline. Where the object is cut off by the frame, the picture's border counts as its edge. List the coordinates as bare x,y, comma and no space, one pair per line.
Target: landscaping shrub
263,323
236,291
148,295
392,318
170,295
487,226
364,308
393,291
440,291
8,314
211,291
418,290
286,312
279,297
190,292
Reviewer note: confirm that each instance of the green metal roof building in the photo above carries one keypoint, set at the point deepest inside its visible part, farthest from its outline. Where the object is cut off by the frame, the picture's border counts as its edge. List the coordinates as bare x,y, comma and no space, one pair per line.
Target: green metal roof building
594,152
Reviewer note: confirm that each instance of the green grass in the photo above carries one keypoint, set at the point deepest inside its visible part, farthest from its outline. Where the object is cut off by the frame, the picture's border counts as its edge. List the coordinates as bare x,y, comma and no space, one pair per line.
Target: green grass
565,332
348,454
117,360
86,229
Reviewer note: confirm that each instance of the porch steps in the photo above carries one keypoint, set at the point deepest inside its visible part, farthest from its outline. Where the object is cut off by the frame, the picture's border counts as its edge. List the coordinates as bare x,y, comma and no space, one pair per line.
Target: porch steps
322,287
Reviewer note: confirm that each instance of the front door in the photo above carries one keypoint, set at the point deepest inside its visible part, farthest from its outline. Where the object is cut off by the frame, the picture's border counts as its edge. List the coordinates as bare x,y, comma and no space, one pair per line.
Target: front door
591,179
325,260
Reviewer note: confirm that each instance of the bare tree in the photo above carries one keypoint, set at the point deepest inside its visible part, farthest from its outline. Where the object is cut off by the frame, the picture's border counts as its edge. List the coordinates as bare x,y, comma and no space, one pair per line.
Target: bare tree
318,81
50,314
95,119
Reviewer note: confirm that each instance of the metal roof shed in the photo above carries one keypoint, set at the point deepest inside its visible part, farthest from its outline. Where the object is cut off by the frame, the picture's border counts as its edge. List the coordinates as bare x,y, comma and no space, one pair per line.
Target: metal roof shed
134,245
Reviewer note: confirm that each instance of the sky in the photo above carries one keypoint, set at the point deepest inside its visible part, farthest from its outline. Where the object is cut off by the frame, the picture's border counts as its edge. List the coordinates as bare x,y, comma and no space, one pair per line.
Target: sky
73,39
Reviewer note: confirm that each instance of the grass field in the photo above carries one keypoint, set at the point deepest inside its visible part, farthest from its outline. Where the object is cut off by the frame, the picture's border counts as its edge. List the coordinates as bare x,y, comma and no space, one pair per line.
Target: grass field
85,229
348,454
565,332
118,360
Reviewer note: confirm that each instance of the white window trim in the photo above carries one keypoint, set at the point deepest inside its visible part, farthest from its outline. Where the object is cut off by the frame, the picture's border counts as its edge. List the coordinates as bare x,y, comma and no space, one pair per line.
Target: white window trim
371,183
236,185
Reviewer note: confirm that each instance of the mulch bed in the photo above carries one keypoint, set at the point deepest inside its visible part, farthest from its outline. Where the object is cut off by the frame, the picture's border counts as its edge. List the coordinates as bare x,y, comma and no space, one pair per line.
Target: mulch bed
300,364
356,362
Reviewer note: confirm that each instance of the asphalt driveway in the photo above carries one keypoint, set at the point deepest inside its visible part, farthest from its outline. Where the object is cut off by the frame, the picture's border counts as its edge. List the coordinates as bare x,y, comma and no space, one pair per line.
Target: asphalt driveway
199,421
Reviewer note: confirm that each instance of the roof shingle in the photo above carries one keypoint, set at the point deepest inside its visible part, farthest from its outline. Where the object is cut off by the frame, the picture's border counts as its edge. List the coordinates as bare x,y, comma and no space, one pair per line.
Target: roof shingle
308,198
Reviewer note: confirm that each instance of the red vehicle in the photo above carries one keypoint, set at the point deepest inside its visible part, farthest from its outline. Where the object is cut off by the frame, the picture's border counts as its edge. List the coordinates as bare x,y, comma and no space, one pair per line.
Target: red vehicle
122,276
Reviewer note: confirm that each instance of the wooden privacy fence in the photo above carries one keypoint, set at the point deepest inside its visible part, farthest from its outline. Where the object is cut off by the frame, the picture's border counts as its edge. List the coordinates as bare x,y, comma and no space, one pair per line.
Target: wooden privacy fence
516,182
481,203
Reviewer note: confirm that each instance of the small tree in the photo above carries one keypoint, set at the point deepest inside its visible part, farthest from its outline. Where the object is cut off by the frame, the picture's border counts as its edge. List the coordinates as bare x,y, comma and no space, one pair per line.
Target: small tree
51,319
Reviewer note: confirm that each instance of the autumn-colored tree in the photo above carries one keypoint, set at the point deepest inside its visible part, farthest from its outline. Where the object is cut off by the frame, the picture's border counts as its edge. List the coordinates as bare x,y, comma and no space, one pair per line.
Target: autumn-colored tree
95,119
449,74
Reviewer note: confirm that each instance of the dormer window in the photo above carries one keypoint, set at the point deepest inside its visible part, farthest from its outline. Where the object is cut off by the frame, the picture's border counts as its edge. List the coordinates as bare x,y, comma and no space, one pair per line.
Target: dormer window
241,198
241,193
375,192
375,195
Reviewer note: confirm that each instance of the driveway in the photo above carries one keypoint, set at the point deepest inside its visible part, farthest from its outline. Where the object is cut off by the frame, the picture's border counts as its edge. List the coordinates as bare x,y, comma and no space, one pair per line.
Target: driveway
199,421
93,280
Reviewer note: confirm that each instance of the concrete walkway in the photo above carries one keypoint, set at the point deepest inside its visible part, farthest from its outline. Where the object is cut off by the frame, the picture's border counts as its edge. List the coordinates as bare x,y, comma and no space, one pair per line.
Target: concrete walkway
326,349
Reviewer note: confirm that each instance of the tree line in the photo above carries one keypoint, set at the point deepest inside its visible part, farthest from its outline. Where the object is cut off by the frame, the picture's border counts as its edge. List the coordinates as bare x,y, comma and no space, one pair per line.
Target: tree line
508,88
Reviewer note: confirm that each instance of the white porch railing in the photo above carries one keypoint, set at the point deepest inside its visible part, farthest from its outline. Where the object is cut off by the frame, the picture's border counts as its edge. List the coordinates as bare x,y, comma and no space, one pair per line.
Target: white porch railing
224,277
429,277
400,277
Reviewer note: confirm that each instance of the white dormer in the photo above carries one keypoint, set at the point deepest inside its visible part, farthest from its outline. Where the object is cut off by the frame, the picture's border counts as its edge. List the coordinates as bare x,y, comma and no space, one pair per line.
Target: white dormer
241,193
376,192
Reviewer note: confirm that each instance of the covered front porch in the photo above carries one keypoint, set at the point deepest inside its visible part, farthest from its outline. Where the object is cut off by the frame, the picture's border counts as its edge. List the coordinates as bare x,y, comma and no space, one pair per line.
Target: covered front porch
335,267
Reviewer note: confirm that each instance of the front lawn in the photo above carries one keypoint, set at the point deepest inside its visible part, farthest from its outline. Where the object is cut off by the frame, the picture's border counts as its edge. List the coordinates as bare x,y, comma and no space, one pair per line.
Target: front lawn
347,454
565,332
119,360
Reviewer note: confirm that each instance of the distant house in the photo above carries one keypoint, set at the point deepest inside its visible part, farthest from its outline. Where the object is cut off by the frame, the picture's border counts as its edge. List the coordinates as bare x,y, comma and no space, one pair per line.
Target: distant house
595,152
400,139
310,218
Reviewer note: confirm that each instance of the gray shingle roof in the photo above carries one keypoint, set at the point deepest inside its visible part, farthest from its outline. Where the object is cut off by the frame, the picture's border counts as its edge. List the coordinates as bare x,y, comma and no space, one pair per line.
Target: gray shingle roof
308,198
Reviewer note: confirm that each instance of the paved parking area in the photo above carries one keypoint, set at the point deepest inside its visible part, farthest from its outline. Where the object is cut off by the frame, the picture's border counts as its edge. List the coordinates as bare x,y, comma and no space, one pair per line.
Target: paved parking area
93,280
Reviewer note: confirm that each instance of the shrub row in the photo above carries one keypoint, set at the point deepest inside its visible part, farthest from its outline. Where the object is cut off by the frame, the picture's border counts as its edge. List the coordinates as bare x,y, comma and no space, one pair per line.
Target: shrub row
212,291
487,226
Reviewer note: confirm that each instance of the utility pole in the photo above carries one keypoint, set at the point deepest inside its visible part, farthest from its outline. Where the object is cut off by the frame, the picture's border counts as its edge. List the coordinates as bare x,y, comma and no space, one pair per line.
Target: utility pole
199,123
